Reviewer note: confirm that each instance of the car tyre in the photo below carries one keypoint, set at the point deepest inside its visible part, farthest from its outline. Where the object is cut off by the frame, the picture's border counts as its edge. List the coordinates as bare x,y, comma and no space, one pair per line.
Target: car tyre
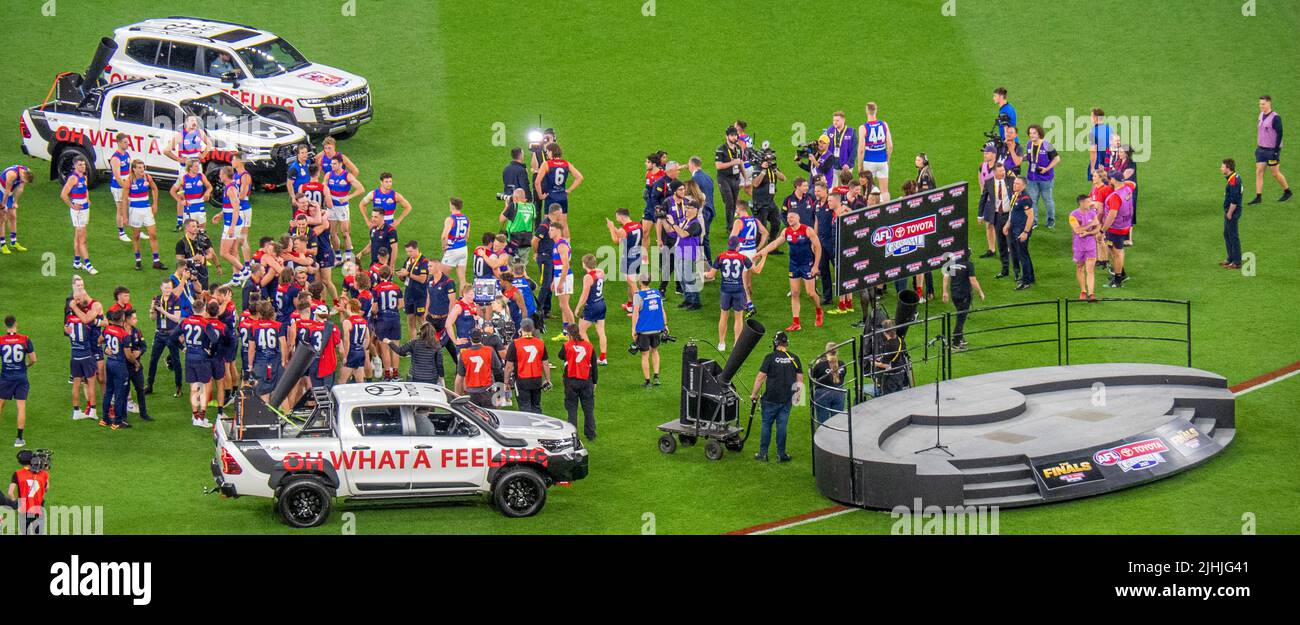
213,173
63,163
519,492
304,502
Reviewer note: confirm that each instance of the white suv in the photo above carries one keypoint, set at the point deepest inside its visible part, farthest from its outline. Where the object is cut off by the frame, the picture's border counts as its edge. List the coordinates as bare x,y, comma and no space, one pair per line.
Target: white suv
261,70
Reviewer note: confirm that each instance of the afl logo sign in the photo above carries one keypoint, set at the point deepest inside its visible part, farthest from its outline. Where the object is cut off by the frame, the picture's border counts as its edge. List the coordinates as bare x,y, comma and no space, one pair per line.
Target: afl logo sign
905,237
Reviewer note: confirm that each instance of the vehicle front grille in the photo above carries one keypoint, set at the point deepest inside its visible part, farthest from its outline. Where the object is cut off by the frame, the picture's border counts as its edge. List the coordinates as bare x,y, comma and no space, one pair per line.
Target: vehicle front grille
349,103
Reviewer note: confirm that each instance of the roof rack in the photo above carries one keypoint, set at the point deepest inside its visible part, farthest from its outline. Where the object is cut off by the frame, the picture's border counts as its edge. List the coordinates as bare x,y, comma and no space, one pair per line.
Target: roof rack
204,19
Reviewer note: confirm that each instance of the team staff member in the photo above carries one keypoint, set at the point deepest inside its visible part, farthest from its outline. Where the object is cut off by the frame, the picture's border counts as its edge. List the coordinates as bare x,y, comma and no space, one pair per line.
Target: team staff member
1118,222
891,361
16,355
734,267
135,349
543,245
778,377
552,177
300,171
526,368
1231,214
478,369
416,274
28,488
1019,225
383,239
1268,152
520,218
799,202
695,167
580,379
13,181
826,215
324,335
729,160
763,192
958,281
515,175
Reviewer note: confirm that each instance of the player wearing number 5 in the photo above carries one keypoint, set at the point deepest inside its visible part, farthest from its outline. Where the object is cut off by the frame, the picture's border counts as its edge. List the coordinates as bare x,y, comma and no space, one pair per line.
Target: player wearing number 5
592,304
579,382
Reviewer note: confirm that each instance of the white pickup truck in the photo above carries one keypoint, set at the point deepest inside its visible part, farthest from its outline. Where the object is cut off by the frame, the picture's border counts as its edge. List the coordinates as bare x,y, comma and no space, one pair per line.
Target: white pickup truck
391,440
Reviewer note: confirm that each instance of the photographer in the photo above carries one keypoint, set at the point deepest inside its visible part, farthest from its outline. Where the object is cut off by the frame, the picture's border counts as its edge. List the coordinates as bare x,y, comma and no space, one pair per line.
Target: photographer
515,176
520,218
729,160
194,250
819,160
537,154
27,489
763,190
649,321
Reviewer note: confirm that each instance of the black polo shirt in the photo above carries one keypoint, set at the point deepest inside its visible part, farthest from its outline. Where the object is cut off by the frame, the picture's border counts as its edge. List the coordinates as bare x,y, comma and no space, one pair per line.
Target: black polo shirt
782,370
960,272
726,153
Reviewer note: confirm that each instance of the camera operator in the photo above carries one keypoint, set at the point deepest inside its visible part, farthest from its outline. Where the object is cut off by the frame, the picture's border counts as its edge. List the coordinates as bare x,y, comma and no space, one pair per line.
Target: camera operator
515,176
729,160
1006,113
763,191
780,378
819,160
194,249
891,363
165,311
27,489
537,151
520,218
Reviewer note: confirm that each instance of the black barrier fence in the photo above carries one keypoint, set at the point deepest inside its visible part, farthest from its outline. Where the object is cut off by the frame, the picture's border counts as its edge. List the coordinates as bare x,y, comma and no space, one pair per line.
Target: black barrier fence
879,365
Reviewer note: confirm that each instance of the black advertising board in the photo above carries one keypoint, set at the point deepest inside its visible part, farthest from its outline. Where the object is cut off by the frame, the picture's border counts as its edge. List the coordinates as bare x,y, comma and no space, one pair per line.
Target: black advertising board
900,238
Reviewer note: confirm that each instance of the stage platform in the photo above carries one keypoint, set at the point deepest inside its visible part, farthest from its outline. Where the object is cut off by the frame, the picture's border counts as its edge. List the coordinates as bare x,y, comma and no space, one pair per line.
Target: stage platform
1026,436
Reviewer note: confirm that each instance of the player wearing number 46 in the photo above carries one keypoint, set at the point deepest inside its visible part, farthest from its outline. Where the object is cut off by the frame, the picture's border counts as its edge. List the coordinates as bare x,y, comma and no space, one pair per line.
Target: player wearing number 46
16,355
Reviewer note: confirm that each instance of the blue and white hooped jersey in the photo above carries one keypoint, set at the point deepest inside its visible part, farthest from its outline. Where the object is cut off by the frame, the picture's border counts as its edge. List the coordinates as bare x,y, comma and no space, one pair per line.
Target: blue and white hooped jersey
123,167
138,193
192,187
386,202
229,216
17,171
748,234
79,194
459,231
339,188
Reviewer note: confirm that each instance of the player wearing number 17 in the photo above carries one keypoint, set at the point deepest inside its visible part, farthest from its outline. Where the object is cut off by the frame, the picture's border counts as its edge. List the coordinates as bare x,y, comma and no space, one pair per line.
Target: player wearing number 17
16,355
805,256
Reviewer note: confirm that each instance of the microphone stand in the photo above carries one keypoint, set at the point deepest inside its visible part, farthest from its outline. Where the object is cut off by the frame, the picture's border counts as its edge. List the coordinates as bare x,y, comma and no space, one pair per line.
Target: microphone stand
939,338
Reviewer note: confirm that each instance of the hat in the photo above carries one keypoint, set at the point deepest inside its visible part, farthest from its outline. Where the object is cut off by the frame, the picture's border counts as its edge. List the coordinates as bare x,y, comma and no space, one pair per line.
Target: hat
476,335
823,139
320,310
25,457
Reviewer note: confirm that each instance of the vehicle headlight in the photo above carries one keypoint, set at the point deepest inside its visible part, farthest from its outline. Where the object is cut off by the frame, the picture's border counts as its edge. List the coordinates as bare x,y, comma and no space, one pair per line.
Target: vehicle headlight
311,102
556,445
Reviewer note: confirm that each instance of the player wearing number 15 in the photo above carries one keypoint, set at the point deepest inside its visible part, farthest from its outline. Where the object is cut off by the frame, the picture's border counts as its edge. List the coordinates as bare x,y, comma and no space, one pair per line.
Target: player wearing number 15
580,379
16,355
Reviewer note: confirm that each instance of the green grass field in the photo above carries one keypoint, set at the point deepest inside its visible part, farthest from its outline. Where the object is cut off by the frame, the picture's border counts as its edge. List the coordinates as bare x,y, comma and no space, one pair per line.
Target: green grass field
618,84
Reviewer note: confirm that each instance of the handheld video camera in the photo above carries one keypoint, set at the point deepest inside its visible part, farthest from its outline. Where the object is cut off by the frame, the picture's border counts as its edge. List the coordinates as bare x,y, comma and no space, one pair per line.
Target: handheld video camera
763,158
994,135
41,459
805,150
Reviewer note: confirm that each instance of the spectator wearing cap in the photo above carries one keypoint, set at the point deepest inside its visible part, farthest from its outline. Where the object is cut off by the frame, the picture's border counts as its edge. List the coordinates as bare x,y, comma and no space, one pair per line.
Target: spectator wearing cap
1231,214
1043,160
780,378
729,160
323,369
821,162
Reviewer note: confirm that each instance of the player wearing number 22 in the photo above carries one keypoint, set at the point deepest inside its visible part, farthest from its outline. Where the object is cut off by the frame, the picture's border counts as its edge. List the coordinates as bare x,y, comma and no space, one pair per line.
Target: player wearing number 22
580,379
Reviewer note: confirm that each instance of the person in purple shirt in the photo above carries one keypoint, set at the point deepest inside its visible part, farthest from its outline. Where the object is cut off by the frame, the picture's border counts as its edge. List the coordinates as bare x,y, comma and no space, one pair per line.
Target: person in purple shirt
1043,160
1268,150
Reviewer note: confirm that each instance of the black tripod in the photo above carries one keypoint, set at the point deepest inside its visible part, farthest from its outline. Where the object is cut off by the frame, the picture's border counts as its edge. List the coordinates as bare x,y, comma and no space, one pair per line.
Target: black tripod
939,338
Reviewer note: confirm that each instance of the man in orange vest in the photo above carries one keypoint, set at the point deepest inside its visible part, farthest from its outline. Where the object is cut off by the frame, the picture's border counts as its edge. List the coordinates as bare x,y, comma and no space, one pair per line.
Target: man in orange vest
27,488
579,381
479,367
526,366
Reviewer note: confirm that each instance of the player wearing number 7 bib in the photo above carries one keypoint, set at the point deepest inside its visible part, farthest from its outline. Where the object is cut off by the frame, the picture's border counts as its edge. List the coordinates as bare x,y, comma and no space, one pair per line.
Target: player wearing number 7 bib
479,367
526,368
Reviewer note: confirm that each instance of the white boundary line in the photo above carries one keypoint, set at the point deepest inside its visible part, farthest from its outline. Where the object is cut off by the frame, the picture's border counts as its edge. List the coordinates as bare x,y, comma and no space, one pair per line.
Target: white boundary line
1263,384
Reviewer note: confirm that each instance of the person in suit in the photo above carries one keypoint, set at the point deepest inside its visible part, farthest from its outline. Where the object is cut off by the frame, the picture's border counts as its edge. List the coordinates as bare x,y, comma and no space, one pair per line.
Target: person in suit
995,208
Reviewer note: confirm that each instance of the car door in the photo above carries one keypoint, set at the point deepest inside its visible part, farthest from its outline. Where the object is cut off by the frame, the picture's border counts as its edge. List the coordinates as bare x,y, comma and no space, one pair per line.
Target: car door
456,451
374,454
129,114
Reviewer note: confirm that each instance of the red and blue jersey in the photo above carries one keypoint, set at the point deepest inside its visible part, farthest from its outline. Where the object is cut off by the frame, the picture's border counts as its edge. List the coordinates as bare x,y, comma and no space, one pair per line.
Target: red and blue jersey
266,336
459,230
360,336
632,237
79,193
123,167
557,175
81,337
387,296
386,202
339,187
138,193
800,242
748,234
731,266
193,188
14,348
115,338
